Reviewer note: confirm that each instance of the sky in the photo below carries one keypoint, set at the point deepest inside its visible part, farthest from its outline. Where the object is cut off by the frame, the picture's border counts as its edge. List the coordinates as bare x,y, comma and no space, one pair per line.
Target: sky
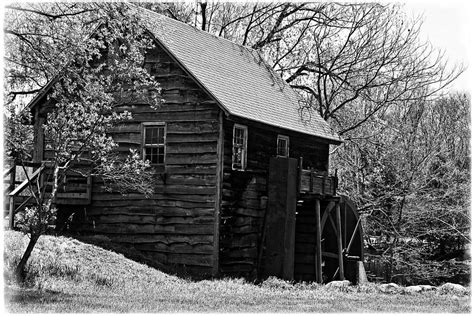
448,25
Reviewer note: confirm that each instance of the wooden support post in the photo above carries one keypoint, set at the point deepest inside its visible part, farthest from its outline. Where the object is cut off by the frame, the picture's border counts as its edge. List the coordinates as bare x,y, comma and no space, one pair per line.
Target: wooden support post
11,206
339,241
300,172
318,253
11,212
12,178
89,189
218,196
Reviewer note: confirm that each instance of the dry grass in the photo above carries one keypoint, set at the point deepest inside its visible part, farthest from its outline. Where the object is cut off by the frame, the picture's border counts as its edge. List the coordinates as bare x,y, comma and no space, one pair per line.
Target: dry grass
66,275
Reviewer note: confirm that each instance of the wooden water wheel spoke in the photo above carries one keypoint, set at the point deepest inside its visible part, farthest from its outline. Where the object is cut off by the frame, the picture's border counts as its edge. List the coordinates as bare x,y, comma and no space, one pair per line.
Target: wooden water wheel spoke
332,224
342,234
353,235
340,253
330,254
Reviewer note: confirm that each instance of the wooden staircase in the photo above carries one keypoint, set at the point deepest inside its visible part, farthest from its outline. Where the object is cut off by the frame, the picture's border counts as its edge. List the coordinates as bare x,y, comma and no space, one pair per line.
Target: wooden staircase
22,182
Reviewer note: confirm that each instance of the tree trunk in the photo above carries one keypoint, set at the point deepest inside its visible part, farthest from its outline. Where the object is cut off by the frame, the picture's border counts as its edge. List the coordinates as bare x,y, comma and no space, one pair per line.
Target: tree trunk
203,15
20,269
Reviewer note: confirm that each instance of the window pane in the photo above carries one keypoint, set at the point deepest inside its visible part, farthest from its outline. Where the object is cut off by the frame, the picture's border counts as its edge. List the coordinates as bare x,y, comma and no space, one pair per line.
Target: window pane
147,153
237,157
239,145
161,154
239,136
151,154
147,136
282,147
161,135
154,135
154,144
154,155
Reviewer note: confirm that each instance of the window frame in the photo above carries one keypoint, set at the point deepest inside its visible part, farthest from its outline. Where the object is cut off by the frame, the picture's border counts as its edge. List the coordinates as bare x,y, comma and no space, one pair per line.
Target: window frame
244,147
287,149
146,125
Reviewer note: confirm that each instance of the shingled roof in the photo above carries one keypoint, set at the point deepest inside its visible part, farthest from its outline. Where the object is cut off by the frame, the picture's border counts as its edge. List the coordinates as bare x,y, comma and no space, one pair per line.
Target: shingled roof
237,76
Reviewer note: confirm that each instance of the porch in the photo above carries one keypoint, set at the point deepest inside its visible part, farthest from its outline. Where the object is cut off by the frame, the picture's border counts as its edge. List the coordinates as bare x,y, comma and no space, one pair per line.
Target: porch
22,182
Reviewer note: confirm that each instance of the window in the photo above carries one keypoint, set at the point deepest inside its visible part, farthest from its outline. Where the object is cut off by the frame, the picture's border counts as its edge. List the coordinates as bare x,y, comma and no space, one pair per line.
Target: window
283,143
154,143
239,147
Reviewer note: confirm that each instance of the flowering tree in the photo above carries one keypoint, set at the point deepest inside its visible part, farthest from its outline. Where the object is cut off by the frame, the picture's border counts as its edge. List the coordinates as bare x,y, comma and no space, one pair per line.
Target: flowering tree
99,51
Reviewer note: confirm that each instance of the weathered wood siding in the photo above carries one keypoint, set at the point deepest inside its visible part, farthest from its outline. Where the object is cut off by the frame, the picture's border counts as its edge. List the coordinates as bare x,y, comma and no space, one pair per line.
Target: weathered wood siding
175,226
204,217
244,195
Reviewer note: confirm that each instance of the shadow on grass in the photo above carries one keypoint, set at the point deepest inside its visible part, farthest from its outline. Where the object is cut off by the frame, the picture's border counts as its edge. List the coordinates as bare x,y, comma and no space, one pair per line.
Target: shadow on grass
133,254
34,296
24,300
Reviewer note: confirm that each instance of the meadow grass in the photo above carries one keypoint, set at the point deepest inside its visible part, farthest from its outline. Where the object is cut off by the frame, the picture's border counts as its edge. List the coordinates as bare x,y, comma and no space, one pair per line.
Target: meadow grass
66,275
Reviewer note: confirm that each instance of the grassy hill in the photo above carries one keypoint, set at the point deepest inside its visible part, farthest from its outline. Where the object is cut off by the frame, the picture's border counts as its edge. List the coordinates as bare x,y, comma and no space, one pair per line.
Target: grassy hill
66,275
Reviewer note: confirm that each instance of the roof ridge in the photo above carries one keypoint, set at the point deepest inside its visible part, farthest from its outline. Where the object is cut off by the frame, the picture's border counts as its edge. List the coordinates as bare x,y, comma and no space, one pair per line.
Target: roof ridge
238,77
272,72
193,27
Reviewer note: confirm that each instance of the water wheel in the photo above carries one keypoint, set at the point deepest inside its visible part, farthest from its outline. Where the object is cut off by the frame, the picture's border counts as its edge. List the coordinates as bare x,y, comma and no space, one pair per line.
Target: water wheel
341,241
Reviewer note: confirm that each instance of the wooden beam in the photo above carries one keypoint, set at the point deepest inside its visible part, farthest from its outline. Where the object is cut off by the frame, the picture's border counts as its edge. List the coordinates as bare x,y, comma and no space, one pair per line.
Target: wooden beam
89,188
300,171
218,200
323,184
9,171
26,182
330,255
353,235
318,253
339,241
11,212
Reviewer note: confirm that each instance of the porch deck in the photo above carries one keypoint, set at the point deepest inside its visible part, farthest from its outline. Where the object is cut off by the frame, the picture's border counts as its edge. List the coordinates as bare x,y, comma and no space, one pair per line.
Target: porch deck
312,182
22,182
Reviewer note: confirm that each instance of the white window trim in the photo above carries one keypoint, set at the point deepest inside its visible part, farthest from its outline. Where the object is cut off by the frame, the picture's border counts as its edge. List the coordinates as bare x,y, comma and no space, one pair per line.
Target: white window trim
287,139
244,154
154,124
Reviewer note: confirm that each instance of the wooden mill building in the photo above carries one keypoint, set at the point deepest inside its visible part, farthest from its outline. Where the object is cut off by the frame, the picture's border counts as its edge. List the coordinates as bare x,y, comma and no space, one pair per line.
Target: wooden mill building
242,168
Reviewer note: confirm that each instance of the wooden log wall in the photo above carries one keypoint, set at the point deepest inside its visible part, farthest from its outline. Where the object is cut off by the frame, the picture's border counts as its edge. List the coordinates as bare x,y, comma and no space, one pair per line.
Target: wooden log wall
174,227
244,196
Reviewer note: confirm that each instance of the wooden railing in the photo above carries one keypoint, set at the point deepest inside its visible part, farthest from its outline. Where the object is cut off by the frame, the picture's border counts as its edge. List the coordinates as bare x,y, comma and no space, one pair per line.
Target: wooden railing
20,181
9,179
317,182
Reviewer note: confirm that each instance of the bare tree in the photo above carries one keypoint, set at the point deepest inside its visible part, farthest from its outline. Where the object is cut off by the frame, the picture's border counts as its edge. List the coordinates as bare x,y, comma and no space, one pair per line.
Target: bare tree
339,56
408,170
